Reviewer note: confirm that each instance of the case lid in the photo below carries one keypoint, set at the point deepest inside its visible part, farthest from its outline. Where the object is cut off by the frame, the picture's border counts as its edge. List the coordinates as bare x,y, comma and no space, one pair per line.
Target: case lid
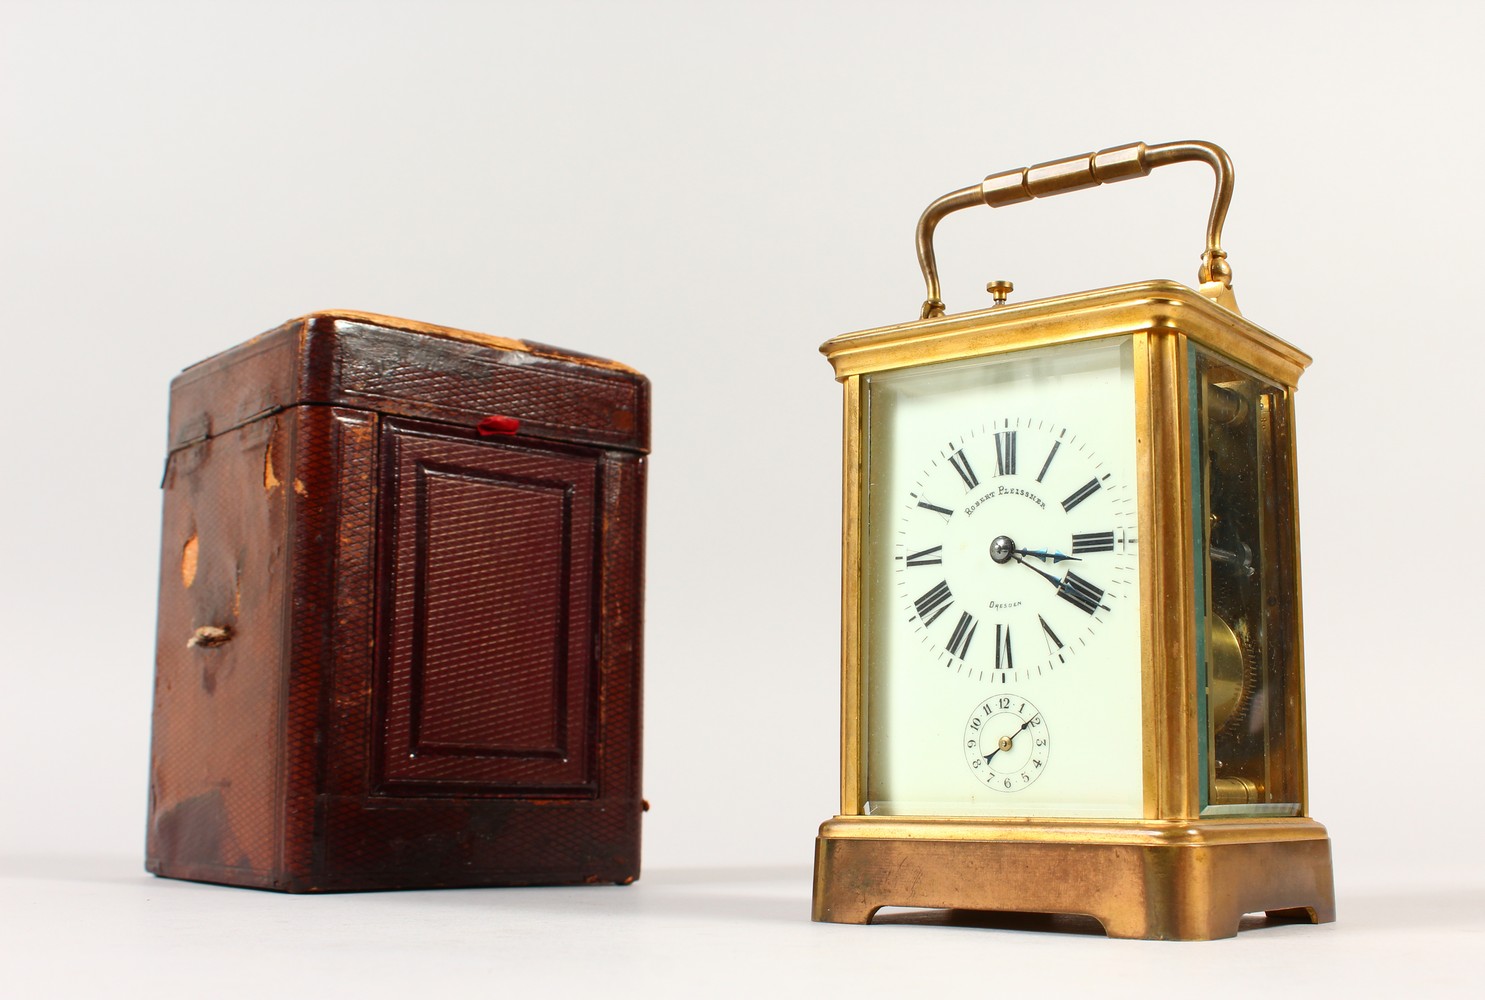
403,367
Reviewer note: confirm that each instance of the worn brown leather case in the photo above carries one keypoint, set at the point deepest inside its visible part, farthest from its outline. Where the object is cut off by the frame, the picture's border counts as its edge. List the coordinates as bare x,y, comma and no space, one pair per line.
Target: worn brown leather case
399,641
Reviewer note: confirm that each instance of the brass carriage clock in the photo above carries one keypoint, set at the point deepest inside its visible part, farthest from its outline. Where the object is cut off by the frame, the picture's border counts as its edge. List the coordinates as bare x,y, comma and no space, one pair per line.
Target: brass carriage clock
1072,669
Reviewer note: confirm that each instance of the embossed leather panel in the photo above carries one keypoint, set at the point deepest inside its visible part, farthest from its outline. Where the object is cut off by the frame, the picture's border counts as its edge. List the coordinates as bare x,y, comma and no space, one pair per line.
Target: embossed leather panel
488,664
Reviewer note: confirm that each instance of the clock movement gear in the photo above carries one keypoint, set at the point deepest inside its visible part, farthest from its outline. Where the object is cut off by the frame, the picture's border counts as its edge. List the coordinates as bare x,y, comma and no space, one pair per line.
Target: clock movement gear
1232,676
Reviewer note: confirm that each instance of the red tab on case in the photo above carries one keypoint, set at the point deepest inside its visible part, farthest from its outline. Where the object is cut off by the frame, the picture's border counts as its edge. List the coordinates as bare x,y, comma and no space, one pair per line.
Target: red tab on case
493,426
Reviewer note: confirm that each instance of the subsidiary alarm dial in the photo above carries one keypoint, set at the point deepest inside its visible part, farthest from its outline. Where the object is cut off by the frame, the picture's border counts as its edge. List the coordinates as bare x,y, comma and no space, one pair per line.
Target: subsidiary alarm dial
1006,742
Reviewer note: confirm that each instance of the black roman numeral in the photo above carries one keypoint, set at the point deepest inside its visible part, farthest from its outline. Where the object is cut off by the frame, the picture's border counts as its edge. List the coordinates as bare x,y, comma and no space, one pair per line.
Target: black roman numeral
935,508
1082,493
963,633
1048,629
934,603
1048,463
1005,453
928,557
1079,593
1093,541
1002,647
960,462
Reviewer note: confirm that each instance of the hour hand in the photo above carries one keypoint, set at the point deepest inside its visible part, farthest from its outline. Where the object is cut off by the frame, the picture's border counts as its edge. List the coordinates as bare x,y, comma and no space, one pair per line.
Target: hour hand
1053,557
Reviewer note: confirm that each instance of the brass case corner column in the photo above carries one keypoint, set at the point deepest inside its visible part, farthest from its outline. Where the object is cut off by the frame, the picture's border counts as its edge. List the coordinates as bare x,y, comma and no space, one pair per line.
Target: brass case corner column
1166,586
851,758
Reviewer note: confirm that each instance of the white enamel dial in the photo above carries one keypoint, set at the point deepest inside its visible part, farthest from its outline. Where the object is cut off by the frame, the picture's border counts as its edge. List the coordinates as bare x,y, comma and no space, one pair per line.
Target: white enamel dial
1001,555
1017,542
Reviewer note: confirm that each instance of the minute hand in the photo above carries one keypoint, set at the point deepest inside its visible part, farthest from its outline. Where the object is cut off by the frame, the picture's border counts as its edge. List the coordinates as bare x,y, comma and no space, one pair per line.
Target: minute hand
1072,588
1054,581
1045,556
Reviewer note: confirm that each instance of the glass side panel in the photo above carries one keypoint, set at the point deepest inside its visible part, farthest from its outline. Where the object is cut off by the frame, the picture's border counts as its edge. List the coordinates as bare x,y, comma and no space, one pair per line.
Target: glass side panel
1247,592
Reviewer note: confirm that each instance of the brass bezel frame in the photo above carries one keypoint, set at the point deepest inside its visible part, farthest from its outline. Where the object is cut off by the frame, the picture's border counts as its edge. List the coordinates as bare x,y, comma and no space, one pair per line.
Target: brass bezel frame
865,862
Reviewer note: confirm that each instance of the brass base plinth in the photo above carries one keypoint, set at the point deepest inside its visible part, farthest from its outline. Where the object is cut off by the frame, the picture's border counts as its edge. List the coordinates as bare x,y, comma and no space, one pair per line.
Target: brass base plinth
1174,881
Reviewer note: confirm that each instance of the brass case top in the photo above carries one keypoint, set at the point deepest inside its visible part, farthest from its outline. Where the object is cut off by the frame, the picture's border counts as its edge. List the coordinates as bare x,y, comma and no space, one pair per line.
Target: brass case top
1146,306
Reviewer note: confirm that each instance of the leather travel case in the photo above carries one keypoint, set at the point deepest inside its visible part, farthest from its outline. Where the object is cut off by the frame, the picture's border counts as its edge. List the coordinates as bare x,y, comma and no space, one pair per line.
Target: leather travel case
400,613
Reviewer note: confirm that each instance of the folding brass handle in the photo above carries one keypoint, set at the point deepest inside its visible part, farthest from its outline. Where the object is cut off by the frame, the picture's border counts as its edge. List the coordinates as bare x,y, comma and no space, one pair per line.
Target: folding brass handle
1074,173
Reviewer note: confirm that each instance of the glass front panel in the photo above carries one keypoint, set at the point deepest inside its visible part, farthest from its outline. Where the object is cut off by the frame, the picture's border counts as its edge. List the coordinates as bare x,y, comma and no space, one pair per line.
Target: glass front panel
1247,592
1001,624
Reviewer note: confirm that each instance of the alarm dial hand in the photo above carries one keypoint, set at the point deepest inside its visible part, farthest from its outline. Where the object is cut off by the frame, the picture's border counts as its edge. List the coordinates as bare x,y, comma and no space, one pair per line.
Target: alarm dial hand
1005,742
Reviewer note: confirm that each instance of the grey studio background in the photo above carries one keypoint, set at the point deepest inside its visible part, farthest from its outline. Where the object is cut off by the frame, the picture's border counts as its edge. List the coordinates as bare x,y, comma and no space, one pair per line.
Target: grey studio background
708,192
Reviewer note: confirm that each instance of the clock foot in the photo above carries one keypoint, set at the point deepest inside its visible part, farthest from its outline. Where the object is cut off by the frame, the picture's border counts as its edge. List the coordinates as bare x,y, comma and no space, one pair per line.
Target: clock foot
842,911
1298,915
1185,882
